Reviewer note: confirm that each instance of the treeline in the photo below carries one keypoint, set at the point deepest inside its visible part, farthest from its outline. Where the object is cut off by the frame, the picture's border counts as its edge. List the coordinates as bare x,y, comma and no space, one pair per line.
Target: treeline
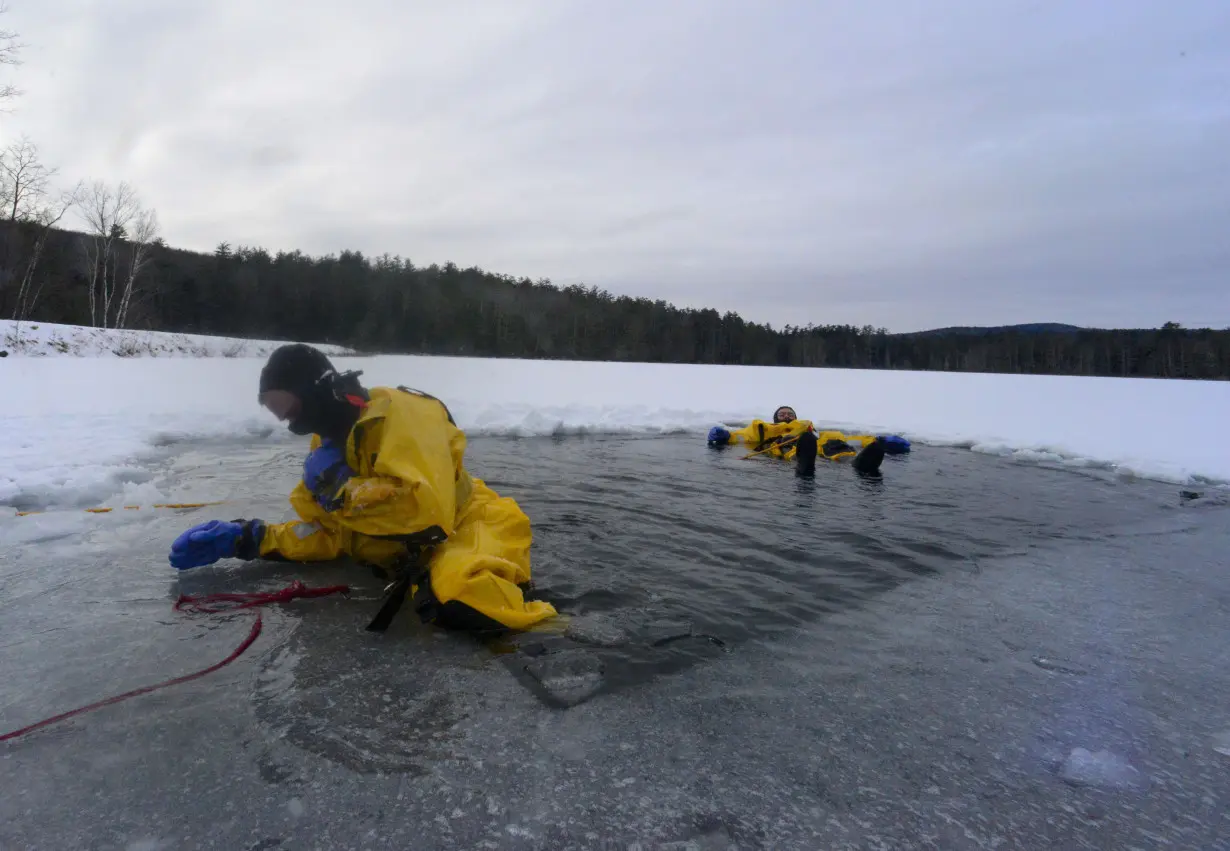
118,272
388,304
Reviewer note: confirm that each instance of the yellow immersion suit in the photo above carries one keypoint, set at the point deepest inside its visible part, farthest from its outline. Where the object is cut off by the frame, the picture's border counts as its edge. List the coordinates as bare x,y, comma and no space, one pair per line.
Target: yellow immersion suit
779,440
411,494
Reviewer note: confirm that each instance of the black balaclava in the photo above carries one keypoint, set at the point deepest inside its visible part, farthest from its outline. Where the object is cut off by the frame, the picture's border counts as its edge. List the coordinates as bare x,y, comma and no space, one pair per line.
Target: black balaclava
308,373
776,418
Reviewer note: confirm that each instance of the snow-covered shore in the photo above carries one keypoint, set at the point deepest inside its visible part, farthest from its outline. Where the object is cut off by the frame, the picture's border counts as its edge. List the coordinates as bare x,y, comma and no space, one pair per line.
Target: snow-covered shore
82,430
40,339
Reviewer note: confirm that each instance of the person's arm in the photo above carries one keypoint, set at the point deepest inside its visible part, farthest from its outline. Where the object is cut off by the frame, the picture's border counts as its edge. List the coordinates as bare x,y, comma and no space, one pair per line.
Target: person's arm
759,433
410,487
295,540
755,434
410,495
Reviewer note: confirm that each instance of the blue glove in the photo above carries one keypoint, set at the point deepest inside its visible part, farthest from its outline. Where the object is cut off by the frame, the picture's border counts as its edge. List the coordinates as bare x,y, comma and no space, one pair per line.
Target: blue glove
717,434
206,543
325,473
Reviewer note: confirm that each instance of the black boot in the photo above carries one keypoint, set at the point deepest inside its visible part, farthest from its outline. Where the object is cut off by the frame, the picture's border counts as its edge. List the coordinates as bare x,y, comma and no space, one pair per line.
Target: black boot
868,461
805,455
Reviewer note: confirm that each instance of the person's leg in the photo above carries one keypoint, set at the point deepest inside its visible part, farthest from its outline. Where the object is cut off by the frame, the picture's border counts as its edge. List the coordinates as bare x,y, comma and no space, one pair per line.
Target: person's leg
805,455
480,575
835,449
870,458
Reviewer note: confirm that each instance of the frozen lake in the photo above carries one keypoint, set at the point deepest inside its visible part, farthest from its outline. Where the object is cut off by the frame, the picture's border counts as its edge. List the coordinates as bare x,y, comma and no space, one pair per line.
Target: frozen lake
970,652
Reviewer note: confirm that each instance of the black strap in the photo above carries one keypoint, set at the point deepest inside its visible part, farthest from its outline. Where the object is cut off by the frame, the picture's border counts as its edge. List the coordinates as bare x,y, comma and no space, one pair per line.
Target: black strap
415,570
392,604
425,602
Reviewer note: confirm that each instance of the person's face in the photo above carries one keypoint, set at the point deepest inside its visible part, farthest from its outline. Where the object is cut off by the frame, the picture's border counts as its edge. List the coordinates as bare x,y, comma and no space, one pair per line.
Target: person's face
281,403
784,415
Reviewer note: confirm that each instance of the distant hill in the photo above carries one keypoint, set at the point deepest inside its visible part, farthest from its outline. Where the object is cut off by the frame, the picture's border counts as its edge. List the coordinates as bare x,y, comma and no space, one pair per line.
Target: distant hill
982,331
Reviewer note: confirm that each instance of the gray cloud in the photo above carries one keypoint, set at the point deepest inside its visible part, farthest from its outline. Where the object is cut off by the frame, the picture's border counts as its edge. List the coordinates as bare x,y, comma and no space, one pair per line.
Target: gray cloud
915,164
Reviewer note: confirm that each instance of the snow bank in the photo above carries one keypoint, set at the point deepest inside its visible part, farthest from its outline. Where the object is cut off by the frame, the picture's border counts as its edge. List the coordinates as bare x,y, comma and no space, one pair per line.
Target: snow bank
77,431
40,339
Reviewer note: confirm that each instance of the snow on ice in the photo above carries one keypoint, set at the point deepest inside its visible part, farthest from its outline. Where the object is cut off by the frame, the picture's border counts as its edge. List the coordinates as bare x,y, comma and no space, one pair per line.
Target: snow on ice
79,431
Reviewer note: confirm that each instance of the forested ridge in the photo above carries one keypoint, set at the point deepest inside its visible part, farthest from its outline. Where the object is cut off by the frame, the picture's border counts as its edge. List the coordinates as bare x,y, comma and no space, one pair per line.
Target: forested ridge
117,272
388,304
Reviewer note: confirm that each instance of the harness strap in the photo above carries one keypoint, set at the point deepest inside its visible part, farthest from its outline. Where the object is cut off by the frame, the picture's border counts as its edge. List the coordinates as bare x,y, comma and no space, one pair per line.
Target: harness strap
409,573
417,573
393,601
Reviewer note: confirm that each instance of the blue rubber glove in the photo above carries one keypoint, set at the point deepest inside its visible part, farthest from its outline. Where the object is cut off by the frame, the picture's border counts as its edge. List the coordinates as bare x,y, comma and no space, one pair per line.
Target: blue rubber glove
206,543
717,434
325,473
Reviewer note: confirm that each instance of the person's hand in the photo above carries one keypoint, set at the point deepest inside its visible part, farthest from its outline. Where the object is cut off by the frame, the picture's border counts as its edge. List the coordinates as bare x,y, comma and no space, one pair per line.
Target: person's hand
717,434
205,544
325,473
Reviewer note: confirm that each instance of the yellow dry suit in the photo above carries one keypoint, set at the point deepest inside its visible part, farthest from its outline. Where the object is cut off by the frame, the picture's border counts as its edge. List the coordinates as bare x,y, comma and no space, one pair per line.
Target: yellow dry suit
456,548
780,440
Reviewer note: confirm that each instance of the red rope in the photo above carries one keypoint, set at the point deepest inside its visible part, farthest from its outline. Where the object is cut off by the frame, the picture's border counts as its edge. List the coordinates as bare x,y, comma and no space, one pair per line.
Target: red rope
295,589
211,603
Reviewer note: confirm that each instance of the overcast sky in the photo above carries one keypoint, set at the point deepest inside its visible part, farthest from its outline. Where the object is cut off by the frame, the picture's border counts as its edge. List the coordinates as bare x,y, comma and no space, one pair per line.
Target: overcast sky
910,164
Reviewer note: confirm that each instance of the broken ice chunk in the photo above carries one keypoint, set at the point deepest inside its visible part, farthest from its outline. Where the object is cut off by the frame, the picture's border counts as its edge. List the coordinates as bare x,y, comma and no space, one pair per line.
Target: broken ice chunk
597,630
569,676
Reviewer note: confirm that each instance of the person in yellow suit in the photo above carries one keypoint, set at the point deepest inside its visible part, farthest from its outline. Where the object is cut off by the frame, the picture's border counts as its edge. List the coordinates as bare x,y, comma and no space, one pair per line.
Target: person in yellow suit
792,439
385,484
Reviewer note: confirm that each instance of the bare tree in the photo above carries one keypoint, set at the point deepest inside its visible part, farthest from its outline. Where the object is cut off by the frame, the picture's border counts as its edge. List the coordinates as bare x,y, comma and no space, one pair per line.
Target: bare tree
9,48
45,217
24,181
144,232
107,214
31,212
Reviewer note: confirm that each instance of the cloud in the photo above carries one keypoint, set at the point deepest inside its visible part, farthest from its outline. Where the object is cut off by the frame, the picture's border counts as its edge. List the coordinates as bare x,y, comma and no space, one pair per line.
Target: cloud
914,164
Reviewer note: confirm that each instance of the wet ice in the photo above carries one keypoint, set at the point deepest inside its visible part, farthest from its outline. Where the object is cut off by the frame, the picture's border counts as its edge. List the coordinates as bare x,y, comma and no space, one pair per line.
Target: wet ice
869,695
1100,768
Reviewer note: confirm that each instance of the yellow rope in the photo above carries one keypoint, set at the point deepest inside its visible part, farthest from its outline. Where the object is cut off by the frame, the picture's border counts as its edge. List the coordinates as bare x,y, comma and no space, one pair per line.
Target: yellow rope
135,507
770,448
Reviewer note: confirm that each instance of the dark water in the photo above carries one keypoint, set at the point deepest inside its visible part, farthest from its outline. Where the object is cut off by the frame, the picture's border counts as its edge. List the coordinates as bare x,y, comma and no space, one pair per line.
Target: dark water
747,653
662,537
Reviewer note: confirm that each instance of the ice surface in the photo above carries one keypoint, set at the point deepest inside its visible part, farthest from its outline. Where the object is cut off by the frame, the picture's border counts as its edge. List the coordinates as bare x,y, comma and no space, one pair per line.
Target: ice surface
596,629
919,717
147,845
1101,768
1059,666
78,431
